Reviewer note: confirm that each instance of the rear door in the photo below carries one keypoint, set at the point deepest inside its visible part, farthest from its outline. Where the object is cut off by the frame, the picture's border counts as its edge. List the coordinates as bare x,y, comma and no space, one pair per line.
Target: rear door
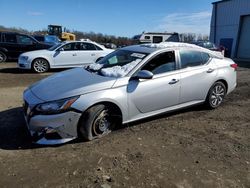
198,73
25,43
10,43
88,53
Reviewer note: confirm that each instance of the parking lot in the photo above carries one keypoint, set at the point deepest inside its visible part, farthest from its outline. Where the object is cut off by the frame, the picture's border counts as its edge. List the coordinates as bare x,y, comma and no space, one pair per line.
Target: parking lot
194,147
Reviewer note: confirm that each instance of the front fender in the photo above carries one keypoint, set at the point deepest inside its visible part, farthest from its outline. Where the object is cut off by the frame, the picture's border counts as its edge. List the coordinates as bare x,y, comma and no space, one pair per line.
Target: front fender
117,96
41,57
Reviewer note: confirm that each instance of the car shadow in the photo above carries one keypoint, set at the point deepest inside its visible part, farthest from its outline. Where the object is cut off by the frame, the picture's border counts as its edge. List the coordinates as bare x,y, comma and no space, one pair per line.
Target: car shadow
13,132
16,70
195,108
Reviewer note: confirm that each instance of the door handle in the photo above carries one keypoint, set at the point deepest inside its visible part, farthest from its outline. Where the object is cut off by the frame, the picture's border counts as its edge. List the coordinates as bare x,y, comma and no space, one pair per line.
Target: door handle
173,81
210,70
74,54
92,54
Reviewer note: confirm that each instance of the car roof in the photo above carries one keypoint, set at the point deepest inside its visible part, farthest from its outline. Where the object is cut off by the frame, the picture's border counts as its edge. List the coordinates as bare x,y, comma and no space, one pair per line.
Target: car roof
65,42
89,41
152,47
14,33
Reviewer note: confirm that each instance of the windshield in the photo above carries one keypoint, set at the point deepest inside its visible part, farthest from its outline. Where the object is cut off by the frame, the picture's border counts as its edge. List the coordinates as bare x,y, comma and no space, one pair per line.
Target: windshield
118,63
54,47
52,39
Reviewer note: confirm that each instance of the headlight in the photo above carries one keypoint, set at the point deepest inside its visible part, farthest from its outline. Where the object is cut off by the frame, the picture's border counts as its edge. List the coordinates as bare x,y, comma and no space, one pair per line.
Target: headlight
25,58
55,107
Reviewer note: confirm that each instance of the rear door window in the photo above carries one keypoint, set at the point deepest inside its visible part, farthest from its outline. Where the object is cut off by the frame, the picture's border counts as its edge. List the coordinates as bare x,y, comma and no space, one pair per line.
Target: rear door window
70,47
97,47
193,58
205,57
23,39
87,46
11,38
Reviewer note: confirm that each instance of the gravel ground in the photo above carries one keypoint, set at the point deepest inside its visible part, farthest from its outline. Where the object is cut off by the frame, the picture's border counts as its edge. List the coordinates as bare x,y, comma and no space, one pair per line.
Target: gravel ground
189,148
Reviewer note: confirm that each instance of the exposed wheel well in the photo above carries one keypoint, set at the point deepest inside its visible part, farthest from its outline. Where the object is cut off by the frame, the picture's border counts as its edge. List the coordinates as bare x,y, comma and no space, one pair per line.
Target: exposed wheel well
116,111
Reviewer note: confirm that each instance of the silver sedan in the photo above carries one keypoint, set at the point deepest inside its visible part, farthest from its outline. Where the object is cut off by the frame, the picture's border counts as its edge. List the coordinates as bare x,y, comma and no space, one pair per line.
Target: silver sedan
129,84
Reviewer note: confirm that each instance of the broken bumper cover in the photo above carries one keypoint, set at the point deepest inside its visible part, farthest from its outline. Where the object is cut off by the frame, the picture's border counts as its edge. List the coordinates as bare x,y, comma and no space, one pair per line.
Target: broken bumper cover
53,129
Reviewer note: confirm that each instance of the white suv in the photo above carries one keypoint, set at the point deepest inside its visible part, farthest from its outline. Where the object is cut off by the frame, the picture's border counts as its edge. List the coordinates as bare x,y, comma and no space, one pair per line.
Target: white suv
63,55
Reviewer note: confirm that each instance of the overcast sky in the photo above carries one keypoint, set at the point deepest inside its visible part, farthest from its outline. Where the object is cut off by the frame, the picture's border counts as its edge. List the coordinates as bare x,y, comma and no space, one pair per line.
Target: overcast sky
113,17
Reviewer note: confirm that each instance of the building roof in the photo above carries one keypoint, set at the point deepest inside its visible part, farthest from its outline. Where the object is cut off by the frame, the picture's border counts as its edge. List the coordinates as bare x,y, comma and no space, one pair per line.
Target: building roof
221,1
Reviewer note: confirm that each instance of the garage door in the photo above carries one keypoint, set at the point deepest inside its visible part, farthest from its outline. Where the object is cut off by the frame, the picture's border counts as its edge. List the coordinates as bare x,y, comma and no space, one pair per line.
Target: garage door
244,39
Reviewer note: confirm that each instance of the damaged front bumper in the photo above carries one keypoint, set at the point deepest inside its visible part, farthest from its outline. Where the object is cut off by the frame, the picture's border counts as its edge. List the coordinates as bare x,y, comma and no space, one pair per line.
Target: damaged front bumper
53,129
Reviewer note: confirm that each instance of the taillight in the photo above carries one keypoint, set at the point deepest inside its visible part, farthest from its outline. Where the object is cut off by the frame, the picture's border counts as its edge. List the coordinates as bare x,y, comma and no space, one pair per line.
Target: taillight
234,66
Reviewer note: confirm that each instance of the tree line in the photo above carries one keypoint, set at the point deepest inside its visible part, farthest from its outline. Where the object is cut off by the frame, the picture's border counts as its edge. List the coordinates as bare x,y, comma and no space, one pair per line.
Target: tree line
104,38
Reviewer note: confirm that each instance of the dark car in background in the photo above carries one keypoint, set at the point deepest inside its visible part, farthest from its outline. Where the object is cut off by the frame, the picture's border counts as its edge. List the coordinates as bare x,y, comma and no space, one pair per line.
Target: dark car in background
49,39
210,46
12,44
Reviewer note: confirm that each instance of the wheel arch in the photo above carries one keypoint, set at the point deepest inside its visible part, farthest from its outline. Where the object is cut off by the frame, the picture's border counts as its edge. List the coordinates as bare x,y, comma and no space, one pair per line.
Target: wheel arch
40,58
4,50
4,55
32,62
224,82
110,104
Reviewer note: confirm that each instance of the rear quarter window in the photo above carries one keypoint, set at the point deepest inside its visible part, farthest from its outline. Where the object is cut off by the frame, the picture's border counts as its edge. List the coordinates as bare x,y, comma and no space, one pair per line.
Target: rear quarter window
97,47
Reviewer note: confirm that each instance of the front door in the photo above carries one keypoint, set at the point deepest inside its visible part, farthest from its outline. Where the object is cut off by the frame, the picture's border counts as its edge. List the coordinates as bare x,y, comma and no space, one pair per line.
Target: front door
161,91
67,55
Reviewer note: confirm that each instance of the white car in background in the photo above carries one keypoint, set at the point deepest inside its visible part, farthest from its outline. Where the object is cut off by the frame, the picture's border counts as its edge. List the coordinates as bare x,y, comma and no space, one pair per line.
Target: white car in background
63,55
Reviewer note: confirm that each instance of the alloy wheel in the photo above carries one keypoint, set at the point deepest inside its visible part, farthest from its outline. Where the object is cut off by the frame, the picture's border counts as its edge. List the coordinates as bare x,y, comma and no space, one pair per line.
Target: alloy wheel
2,57
40,65
217,95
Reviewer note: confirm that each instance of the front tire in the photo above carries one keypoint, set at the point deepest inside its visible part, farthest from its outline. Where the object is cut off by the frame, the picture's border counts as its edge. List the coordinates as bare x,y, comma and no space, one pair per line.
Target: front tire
3,57
40,65
97,122
216,95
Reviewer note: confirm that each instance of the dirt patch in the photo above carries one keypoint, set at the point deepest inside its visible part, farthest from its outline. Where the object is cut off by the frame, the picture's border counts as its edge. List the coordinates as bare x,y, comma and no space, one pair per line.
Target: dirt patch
189,148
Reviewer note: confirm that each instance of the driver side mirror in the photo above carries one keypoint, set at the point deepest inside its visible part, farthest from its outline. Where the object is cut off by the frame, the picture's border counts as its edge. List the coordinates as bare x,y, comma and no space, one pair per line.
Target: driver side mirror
60,49
144,74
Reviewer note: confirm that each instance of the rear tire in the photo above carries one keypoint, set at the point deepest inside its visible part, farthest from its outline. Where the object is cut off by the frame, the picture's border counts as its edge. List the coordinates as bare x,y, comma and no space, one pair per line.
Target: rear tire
216,95
40,65
3,57
96,122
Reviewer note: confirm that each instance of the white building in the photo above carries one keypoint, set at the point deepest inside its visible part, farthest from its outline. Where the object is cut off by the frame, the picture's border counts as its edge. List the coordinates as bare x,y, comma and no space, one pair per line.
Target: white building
230,27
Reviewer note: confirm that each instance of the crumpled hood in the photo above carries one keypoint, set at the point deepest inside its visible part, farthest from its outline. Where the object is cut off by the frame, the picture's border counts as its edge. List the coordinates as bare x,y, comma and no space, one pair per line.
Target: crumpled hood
70,83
